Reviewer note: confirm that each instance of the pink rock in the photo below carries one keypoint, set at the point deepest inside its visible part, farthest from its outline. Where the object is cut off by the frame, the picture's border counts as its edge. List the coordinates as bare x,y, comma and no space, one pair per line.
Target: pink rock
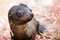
4,31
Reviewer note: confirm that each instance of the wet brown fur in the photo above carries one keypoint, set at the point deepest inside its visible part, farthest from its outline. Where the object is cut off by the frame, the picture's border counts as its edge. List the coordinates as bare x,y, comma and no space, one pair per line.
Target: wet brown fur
25,30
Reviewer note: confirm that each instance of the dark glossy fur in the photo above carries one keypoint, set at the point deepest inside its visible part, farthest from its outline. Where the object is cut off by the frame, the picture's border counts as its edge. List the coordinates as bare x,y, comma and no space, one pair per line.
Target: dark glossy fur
22,23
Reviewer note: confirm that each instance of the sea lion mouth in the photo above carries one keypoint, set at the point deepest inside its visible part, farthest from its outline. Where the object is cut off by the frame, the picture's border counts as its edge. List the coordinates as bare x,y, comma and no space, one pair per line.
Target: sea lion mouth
22,21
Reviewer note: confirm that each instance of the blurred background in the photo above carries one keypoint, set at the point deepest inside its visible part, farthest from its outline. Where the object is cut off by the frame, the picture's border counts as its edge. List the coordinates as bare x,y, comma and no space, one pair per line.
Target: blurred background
46,12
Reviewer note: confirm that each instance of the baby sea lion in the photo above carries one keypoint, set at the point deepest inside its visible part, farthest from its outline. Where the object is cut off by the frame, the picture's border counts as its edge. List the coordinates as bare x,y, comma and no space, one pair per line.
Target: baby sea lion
22,22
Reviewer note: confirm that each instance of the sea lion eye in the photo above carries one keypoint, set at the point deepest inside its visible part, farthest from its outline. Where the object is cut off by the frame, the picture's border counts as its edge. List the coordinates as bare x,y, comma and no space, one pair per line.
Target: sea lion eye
19,14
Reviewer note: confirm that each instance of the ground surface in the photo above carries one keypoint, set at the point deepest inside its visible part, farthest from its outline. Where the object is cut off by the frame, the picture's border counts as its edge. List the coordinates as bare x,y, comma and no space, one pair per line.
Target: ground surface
46,12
